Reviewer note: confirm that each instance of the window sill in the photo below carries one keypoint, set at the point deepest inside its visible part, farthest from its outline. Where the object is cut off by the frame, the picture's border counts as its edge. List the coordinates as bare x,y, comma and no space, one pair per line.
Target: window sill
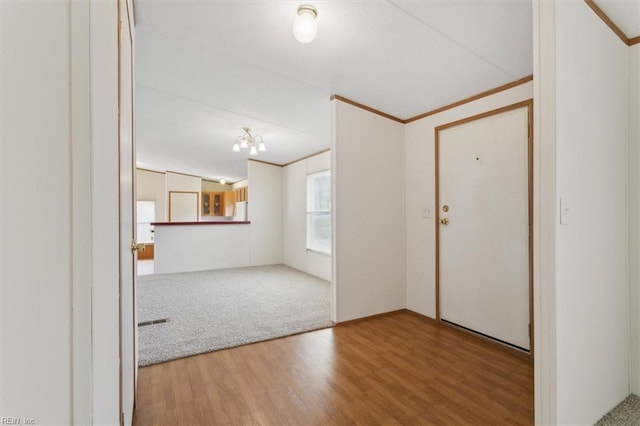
326,253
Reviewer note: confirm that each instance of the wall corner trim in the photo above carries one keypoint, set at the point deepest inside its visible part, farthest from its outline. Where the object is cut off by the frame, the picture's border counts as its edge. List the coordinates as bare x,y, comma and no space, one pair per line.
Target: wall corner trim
489,92
366,108
629,41
472,98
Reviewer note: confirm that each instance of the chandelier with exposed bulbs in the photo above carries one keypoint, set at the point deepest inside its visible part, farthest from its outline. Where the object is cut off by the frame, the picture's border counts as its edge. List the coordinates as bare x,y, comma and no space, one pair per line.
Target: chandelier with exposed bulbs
249,141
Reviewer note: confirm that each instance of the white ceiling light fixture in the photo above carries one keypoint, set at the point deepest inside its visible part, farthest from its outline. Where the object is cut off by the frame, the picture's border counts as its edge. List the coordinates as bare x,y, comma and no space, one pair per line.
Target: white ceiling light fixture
254,143
305,26
222,181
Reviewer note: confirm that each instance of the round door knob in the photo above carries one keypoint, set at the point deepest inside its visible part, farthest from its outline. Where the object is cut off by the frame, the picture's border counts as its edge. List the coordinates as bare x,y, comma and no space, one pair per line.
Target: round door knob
444,221
137,247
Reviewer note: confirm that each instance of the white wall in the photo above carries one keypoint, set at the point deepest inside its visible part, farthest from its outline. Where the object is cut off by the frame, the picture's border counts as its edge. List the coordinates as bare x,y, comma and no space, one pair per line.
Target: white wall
265,213
181,248
592,346
240,184
368,213
81,240
105,215
182,182
56,316
36,212
294,233
634,214
545,213
151,187
420,193
211,186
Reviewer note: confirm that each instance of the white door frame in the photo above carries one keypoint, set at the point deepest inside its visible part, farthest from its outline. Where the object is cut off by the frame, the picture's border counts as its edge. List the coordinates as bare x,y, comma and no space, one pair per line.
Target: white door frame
529,105
127,255
95,212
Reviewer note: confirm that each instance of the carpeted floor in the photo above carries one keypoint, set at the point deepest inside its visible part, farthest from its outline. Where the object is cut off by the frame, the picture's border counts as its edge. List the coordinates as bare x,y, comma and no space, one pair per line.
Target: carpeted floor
627,413
211,310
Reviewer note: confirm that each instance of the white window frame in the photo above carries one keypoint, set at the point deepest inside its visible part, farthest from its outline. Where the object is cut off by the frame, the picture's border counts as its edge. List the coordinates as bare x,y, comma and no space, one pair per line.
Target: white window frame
312,211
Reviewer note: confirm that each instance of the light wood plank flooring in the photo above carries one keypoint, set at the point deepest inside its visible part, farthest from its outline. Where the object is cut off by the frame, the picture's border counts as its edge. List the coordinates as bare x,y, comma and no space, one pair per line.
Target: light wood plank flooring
398,369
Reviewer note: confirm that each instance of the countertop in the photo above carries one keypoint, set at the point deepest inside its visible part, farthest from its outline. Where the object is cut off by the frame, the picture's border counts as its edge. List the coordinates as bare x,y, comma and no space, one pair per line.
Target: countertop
222,222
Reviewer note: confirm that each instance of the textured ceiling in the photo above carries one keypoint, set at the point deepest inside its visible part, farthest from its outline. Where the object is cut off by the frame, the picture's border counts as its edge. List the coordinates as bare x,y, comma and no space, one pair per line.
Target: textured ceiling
204,69
624,13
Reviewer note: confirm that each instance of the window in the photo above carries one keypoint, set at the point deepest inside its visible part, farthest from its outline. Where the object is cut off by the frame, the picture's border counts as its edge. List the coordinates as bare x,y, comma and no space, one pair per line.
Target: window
319,212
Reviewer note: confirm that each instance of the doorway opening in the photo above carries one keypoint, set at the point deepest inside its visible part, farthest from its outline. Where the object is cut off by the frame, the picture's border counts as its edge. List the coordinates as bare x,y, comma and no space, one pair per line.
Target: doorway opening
145,216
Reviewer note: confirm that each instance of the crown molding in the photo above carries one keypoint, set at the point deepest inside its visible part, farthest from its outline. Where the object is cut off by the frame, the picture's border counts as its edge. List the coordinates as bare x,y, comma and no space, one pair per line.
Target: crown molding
629,41
472,98
438,110
366,108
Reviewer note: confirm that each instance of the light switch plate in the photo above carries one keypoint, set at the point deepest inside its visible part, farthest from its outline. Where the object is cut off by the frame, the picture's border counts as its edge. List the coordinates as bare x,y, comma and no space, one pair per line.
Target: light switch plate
427,212
564,211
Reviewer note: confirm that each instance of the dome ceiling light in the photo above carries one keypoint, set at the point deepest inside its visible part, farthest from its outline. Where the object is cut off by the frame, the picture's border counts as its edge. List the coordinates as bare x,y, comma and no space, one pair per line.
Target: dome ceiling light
305,26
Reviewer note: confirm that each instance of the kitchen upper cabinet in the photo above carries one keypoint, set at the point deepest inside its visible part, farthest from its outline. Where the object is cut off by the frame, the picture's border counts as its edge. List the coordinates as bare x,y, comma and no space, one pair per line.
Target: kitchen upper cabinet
218,203
229,203
212,203
242,193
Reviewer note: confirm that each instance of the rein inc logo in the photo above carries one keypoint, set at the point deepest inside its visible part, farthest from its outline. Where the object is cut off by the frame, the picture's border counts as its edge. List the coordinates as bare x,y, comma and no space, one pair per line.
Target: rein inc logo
17,421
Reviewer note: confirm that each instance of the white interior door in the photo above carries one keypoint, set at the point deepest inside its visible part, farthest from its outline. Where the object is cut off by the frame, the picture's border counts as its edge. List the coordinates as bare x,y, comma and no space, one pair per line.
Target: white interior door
483,213
128,329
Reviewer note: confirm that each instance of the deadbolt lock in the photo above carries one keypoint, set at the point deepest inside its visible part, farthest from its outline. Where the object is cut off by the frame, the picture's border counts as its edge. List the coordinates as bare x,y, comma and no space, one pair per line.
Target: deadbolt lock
445,208
444,221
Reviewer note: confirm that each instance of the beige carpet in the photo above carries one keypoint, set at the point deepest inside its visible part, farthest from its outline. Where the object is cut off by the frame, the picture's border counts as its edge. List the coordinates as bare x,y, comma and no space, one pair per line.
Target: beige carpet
627,413
210,310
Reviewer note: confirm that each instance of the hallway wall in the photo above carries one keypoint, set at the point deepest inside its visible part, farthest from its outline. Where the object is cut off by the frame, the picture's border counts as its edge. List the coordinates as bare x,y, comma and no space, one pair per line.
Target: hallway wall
634,215
294,232
591,99
36,212
265,213
368,213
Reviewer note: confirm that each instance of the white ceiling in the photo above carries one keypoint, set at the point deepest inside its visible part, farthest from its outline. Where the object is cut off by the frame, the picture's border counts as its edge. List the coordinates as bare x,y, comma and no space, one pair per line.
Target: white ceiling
204,69
624,13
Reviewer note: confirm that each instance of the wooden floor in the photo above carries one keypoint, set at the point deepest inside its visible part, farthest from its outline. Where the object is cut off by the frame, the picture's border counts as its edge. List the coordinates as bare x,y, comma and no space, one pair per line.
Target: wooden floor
390,370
